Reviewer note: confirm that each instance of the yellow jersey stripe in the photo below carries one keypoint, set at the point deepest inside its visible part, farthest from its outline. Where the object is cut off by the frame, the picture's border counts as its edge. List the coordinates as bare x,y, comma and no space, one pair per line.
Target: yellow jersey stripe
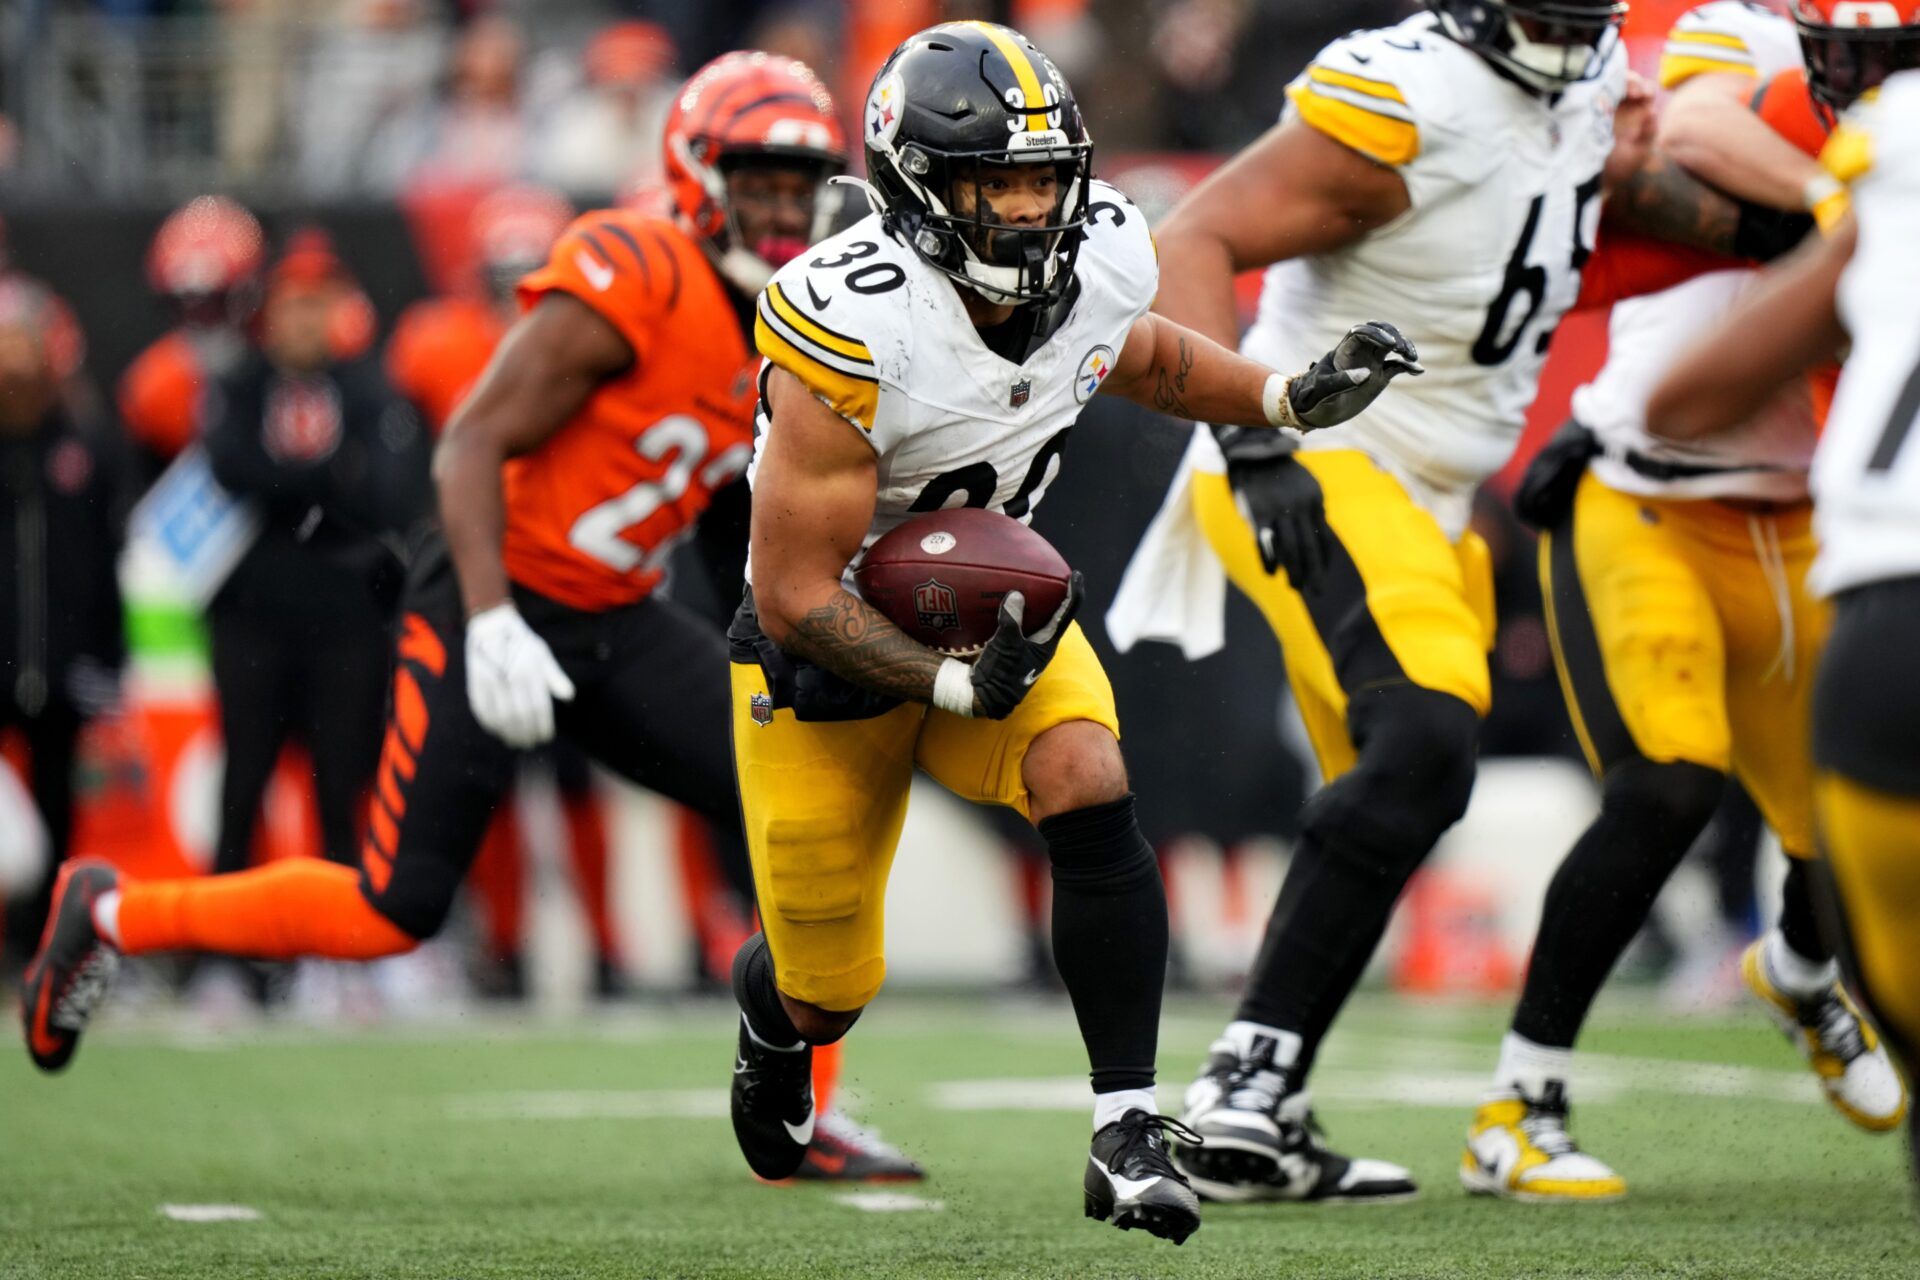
1023,71
1359,84
1848,153
1676,69
1380,137
855,399
814,331
1708,37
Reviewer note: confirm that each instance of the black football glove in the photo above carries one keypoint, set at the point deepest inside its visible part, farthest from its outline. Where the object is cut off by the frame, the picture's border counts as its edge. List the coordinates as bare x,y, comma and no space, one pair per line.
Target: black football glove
1011,660
1280,499
1544,496
1351,376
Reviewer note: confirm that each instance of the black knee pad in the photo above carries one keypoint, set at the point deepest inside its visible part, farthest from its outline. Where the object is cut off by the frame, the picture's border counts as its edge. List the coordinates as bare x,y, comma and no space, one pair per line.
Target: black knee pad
1675,799
1099,849
1411,782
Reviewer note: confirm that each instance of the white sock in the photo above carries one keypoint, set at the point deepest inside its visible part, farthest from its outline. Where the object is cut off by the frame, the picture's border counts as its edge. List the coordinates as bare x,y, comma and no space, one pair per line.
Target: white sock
1794,974
1286,1048
1108,1107
765,1043
106,916
1529,1066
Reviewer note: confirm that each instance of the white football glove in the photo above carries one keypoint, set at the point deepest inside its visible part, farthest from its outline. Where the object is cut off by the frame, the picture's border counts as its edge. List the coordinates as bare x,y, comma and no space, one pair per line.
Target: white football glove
512,677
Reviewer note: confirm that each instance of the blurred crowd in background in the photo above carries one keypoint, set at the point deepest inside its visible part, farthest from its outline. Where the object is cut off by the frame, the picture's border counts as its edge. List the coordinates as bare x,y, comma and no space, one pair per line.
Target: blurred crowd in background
408,160
340,98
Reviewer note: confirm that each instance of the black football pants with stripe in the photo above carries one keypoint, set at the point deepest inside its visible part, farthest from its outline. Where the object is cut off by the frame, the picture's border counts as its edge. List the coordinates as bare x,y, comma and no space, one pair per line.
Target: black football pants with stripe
651,703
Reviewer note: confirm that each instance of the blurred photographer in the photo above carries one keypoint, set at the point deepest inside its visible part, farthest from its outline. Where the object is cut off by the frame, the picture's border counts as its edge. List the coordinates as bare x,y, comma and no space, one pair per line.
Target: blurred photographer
61,641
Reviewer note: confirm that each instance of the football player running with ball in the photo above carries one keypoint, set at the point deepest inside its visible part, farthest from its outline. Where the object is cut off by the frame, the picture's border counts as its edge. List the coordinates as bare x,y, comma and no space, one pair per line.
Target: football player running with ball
1451,168
1854,288
936,354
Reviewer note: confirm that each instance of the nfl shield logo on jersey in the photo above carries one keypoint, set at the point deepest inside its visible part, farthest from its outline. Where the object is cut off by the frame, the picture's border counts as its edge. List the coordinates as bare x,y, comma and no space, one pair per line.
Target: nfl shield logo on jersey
935,605
1021,390
760,707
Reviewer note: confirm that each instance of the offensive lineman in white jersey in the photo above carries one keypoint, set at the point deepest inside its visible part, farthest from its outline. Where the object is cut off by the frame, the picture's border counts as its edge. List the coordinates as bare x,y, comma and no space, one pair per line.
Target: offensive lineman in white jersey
1857,287
935,355
1686,641
1453,166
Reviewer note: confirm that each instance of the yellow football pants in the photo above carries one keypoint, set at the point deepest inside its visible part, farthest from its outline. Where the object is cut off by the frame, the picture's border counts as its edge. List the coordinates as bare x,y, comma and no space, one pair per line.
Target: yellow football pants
1683,631
1871,839
1400,602
823,804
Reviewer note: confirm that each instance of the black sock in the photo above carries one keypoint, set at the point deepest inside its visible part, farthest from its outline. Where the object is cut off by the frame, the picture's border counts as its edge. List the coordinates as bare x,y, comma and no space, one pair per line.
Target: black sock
1799,922
1362,836
1109,937
1599,898
1332,909
759,998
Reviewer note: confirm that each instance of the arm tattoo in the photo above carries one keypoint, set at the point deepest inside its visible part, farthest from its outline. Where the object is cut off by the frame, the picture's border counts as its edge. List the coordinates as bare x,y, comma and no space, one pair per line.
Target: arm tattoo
1666,202
1169,389
855,641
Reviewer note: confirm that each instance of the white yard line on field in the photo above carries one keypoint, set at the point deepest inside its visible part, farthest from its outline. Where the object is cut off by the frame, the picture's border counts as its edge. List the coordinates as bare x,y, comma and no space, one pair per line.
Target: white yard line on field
210,1212
889,1202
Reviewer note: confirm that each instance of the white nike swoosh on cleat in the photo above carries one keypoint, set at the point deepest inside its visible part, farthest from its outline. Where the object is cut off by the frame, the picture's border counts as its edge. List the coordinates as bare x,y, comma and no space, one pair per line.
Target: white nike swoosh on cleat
1125,1188
802,1134
739,1065
1031,677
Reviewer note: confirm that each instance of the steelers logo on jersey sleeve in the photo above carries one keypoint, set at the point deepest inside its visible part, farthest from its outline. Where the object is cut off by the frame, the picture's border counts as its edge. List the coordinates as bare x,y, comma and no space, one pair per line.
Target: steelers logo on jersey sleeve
1094,368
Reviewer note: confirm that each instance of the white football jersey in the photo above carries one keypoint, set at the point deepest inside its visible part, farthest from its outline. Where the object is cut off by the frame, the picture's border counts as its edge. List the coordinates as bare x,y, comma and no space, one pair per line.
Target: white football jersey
1768,457
883,339
1866,471
1505,188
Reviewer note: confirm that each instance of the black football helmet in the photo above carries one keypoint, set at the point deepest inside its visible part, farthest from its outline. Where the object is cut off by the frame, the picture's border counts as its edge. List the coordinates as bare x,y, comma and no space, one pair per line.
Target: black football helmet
949,106
1547,45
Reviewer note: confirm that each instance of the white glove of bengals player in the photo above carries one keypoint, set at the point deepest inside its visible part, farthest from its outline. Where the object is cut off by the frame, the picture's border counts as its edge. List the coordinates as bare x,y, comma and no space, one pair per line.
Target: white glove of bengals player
512,677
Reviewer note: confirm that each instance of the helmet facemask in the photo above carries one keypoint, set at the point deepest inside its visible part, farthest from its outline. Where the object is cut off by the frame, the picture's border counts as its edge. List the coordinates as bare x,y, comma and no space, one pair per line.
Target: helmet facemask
1547,45
960,233
1845,62
753,187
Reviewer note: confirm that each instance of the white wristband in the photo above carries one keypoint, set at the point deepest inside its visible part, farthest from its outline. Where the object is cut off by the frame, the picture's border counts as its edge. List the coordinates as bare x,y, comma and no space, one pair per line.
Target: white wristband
1819,189
1274,402
953,688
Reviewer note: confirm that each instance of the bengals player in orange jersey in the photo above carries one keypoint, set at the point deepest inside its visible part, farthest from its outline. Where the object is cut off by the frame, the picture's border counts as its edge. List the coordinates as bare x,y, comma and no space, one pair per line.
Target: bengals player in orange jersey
617,404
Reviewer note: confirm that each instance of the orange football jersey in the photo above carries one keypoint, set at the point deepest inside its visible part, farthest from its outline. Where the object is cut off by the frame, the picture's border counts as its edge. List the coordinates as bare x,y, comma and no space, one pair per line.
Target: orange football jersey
160,395
438,350
1786,104
592,512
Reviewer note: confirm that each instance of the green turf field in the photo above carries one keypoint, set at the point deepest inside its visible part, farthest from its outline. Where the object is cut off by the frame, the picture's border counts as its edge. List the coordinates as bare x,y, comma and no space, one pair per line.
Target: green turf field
590,1149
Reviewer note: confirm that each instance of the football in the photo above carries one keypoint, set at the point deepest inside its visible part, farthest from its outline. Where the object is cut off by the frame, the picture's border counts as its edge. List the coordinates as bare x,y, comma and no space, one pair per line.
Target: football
941,576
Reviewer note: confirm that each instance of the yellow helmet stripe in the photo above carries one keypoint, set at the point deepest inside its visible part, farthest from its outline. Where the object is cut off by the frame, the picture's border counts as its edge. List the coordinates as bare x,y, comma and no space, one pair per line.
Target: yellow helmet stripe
1023,70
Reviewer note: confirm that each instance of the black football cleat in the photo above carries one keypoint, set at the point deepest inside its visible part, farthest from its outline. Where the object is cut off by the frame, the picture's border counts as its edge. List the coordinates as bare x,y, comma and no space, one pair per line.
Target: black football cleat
842,1151
1131,1181
70,974
772,1105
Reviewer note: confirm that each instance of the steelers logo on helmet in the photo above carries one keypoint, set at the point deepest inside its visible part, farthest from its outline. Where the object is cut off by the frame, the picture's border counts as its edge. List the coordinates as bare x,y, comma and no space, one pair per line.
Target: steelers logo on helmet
978,160
1546,45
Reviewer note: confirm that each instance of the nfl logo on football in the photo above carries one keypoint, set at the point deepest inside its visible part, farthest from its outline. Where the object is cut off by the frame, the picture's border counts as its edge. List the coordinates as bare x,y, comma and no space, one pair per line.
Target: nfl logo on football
935,605
760,707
